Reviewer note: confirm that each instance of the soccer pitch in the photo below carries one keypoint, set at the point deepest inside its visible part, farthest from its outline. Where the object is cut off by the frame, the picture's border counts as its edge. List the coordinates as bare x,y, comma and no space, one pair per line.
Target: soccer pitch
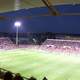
31,62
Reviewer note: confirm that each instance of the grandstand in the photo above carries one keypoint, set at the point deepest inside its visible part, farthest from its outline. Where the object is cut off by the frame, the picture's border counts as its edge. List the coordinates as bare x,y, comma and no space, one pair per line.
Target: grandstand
6,43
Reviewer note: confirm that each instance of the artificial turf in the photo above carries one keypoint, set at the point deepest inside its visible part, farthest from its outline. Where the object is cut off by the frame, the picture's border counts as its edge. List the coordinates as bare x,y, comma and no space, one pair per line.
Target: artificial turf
32,62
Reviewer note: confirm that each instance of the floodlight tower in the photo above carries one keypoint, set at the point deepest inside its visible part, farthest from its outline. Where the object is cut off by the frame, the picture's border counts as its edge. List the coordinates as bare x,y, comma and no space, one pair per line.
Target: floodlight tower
17,24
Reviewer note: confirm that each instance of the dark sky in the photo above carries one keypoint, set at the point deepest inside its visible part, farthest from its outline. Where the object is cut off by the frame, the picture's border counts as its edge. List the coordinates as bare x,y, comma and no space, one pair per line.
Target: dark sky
56,24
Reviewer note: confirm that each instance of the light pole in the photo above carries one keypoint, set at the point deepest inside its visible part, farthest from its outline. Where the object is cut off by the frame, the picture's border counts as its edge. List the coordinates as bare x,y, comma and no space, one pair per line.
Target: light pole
17,24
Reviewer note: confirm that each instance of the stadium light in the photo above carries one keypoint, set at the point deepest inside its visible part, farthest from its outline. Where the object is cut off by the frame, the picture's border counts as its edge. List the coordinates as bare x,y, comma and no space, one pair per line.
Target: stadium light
17,24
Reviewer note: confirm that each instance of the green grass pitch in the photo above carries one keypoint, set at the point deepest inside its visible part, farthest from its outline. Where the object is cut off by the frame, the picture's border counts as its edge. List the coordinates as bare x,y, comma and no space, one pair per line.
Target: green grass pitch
31,62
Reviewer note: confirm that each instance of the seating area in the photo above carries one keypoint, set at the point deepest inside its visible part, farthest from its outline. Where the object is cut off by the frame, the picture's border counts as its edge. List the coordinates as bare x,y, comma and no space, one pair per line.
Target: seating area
6,43
62,45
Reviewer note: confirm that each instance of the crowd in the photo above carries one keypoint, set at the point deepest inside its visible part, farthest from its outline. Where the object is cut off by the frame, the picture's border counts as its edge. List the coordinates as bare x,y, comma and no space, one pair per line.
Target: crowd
62,45
8,75
6,43
50,44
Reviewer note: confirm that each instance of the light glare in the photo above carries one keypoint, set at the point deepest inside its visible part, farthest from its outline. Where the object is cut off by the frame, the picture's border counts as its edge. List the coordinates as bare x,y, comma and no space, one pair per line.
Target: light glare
17,24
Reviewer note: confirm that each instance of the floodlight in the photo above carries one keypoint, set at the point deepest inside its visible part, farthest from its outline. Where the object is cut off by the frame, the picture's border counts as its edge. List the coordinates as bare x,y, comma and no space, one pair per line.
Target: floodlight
17,24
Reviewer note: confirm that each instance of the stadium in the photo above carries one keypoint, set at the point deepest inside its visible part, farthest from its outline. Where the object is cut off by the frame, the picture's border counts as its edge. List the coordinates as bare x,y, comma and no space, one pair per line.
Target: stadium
39,40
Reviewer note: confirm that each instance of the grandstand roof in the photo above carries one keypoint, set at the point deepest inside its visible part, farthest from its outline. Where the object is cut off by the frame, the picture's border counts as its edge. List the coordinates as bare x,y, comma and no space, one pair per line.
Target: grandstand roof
10,5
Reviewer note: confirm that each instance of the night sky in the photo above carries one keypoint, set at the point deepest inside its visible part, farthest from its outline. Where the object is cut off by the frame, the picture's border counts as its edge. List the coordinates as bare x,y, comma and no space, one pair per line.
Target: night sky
55,24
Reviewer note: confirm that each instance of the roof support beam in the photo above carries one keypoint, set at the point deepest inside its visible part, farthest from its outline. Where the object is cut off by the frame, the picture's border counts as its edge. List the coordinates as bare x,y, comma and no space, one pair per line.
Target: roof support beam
52,9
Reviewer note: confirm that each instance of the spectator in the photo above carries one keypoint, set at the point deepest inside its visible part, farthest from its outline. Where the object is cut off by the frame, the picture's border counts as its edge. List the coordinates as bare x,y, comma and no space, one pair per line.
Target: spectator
1,74
45,78
32,78
18,77
8,76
